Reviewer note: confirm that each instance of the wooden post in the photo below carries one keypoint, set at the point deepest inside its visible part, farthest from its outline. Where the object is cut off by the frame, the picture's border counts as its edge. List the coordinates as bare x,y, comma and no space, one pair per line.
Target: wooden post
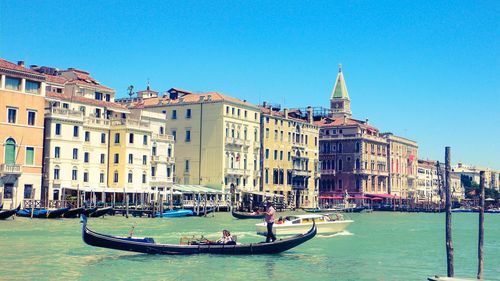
206,198
32,202
449,239
481,228
126,206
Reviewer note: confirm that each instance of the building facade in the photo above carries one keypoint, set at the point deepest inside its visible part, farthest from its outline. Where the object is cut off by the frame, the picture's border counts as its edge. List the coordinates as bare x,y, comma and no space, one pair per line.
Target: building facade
22,98
217,138
290,156
402,159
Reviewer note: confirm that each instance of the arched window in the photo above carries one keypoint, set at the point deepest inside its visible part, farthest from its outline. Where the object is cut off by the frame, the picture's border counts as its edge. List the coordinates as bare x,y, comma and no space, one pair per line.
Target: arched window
130,176
10,151
358,165
340,147
357,146
74,174
56,172
340,165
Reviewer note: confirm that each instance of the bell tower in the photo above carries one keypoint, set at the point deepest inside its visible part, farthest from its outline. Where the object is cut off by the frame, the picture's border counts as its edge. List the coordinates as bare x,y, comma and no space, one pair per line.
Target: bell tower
340,103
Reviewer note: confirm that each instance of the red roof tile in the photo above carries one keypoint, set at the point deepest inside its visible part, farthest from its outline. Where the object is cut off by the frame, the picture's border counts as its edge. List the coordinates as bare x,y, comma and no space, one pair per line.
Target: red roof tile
13,66
80,99
55,79
340,121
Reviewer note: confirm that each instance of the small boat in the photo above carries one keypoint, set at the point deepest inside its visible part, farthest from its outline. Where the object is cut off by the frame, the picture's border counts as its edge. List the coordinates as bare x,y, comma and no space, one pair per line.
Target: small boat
37,213
357,209
74,213
89,211
42,213
243,216
149,246
52,214
462,210
201,213
8,213
101,212
174,213
492,211
327,223
321,210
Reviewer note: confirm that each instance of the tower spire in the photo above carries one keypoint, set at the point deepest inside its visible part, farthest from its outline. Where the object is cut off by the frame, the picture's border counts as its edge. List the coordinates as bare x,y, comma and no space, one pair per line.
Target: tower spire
339,99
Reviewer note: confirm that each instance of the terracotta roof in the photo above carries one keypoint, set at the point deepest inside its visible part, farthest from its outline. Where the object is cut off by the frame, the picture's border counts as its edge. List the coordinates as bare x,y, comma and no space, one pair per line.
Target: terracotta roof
187,98
335,122
80,99
13,66
83,78
427,163
55,79
91,85
269,111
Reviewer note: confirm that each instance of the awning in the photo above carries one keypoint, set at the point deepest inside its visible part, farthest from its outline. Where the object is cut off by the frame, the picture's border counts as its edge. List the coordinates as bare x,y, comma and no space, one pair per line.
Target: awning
377,199
384,196
189,188
330,197
359,197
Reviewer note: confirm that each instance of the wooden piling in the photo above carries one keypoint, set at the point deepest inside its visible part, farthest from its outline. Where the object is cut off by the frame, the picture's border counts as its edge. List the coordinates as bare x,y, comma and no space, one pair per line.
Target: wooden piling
126,207
449,239
480,265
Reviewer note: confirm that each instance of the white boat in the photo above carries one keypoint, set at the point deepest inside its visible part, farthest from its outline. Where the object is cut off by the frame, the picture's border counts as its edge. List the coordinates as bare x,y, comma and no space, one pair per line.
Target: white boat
296,224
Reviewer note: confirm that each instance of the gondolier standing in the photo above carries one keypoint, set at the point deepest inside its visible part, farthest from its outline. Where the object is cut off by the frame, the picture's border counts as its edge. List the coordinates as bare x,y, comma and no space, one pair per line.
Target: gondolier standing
270,221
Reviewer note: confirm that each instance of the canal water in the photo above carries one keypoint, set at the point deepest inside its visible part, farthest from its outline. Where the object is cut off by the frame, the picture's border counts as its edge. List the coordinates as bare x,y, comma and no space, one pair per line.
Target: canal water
377,246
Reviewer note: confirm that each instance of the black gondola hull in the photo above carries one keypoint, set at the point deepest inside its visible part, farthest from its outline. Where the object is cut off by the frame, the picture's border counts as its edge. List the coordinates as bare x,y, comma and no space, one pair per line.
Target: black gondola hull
101,212
148,246
244,216
8,213
74,213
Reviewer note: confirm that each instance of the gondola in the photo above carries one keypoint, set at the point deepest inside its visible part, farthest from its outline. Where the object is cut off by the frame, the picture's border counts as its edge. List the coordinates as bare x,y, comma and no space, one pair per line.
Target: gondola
53,214
243,216
149,246
101,212
73,213
89,211
8,213
201,213
1,206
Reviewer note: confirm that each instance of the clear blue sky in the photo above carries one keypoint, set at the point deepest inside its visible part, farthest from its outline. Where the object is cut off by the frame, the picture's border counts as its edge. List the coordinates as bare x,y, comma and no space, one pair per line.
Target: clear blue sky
427,70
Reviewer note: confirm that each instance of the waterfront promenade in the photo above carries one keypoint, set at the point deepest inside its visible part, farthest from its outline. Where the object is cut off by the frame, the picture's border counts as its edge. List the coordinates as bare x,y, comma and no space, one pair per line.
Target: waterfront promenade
378,246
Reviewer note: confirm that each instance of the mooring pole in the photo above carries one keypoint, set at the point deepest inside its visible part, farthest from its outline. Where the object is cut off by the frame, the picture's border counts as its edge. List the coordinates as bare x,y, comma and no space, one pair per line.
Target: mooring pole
480,265
449,240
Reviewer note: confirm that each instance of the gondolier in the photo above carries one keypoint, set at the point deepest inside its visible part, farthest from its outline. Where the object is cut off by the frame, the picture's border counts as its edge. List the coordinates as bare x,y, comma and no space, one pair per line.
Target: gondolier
270,221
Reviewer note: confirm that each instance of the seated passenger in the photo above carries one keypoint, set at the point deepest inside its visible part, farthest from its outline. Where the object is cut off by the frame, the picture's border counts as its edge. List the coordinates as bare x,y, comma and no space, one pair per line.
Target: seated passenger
226,238
255,212
280,221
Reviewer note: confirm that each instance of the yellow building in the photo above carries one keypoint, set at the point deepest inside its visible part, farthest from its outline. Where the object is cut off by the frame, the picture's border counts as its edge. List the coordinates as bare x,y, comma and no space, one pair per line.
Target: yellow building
289,144
216,138
94,146
403,166
22,93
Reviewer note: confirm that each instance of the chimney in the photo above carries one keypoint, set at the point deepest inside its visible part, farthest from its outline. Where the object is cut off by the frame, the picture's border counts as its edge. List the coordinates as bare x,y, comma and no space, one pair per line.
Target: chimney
366,121
285,112
20,63
345,119
310,118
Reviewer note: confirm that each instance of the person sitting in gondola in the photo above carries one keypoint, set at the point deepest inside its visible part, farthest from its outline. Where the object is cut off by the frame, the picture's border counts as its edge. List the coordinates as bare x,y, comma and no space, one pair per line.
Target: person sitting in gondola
256,211
280,221
226,238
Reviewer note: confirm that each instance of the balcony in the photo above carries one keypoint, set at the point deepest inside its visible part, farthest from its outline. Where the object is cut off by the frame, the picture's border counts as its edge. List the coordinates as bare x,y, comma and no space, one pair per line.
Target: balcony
162,159
98,122
63,113
328,172
169,138
237,142
300,173
10,169
299,145
130,123
235,172
160,181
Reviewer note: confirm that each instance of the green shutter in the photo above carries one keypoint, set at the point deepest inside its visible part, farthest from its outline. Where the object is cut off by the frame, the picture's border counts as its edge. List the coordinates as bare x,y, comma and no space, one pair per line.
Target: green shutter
10,152
30,154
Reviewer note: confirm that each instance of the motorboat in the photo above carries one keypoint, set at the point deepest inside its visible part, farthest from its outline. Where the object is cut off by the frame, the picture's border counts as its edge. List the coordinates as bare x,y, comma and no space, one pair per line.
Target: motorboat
174,213
295,224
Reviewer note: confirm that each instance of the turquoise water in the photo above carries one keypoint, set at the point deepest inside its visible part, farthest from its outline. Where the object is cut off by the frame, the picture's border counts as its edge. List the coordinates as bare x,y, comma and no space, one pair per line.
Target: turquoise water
377,246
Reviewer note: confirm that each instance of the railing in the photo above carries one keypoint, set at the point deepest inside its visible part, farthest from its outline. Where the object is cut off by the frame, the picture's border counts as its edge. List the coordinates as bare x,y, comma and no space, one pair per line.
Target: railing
10,169
160,180
300,173
52,204
96,121
236,141
163,137
130,122
162,159
327,172
64,112
232,171
351,136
